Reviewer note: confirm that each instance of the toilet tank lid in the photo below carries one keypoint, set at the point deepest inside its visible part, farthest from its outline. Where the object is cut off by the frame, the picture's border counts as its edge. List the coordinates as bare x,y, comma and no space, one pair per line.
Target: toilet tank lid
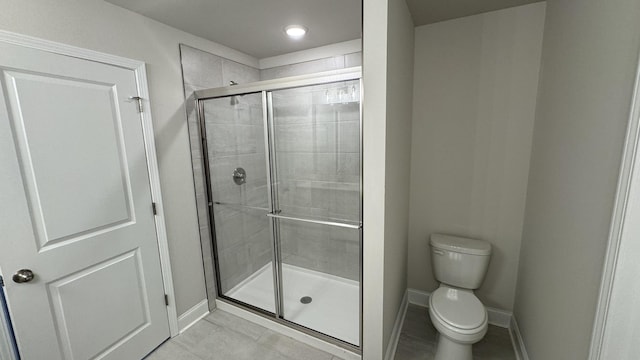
460,244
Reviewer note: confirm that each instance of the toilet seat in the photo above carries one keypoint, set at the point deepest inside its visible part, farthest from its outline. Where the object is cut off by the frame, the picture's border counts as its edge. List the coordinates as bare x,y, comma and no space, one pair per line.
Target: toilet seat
458,314
459,309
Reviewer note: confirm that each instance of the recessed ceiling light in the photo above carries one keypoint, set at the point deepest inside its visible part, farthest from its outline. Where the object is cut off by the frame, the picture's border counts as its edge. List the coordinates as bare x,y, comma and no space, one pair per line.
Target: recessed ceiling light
295,31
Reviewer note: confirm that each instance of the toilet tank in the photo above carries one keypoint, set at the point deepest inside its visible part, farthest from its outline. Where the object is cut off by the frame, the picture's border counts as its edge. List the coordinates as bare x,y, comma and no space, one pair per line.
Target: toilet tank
459,261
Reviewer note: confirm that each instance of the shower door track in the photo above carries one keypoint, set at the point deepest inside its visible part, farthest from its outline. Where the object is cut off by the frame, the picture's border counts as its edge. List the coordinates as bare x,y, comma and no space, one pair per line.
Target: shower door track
320,78
265,88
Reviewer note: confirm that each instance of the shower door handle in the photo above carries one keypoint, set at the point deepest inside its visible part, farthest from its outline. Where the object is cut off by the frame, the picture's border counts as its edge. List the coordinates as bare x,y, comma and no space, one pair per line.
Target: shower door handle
319,222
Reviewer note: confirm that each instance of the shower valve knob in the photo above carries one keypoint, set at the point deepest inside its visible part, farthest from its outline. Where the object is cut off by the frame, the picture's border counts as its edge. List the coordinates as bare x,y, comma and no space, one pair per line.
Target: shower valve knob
239,176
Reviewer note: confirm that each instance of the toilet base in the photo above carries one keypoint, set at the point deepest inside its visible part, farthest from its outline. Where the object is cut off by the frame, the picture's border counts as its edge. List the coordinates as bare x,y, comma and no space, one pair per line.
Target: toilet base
450,350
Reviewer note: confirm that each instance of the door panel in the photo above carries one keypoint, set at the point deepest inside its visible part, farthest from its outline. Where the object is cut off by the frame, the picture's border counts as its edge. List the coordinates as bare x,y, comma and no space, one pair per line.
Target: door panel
235,133
75,298
317,175
76,209
99,179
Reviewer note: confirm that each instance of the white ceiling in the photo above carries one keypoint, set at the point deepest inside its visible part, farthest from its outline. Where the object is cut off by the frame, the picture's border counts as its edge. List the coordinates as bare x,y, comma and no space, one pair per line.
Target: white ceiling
256,27
430,11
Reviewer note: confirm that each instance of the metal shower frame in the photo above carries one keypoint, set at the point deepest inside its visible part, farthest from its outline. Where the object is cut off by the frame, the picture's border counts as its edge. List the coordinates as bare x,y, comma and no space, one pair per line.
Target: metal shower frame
265,88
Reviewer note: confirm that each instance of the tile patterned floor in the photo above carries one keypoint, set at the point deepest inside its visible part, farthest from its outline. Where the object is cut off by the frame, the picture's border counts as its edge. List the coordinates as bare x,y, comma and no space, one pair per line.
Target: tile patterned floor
418,339
222,336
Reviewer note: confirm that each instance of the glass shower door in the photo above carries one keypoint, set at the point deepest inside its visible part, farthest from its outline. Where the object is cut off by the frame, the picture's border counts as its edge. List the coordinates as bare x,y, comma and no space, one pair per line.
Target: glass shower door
240,198
317,202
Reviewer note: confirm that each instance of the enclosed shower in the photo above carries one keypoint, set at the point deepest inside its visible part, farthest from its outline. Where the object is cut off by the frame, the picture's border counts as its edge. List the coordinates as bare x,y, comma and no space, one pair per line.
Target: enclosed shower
282,162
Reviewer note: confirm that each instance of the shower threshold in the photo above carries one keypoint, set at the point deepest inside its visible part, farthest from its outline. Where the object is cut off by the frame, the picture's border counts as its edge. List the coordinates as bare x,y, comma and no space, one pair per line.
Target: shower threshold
333,309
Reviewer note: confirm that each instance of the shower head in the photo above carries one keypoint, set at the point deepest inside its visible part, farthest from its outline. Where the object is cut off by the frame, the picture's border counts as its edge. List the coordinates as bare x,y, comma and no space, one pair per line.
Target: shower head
234,99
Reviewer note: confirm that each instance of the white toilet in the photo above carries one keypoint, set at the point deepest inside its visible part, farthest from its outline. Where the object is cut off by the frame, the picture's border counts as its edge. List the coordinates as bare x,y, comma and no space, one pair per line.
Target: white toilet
459,264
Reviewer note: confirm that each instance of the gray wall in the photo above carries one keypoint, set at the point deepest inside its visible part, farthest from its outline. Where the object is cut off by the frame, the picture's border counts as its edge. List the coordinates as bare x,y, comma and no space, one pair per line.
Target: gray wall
388,80
374,110
589,59
400,77
100,26
475,86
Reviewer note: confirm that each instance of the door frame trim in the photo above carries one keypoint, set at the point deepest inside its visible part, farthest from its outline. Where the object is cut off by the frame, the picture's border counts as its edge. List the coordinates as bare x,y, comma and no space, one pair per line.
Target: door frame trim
140,72
620,230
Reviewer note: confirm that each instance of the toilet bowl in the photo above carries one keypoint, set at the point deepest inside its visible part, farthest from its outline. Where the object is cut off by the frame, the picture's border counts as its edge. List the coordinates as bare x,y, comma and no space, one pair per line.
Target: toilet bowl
461,319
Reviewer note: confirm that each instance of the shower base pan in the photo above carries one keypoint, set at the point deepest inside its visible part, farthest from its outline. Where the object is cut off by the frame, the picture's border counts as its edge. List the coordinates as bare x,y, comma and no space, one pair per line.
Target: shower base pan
334,305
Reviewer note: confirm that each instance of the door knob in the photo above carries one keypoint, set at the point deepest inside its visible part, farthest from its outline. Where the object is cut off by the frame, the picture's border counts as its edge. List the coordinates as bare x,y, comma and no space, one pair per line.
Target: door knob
23,276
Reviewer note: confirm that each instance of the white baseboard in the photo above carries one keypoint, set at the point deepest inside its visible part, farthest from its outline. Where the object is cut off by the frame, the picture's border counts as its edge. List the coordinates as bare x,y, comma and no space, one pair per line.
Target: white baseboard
516,340
397,328
191,316
418,297
287,331
497,317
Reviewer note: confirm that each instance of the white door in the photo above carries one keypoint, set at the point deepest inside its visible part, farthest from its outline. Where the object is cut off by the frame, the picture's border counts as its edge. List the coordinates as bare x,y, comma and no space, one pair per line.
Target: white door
75,209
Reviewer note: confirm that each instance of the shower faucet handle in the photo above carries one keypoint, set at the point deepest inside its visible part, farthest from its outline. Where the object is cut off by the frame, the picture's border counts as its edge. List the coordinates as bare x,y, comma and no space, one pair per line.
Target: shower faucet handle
239,176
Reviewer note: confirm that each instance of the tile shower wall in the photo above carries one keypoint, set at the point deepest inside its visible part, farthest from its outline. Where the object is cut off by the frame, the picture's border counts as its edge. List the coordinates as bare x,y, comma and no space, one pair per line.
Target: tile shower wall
317,141
203,70
313,66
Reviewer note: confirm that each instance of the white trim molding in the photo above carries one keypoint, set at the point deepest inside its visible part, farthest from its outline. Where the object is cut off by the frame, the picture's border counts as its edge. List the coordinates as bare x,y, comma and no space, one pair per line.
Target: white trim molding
623,233
139,69
392,346
497,317
193,315
337,49
67,50
517,341
156,195
418,297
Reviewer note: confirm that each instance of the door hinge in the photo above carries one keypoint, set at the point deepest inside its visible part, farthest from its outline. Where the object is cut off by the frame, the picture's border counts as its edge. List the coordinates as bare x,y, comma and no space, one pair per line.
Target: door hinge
166,299
1,282
154,208
139,100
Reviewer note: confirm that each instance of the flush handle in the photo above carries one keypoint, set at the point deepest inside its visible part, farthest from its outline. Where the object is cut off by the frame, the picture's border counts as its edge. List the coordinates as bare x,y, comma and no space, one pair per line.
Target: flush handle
438,252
